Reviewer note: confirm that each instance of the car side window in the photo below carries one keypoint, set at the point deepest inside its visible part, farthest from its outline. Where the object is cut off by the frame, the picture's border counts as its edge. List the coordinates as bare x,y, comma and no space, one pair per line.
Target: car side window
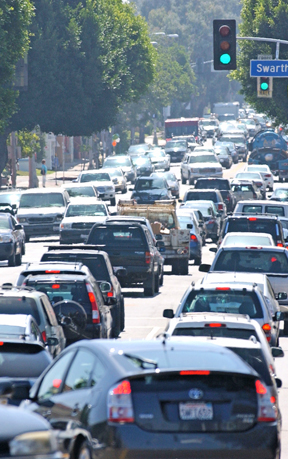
47,318
270,289
80,371
34,332
53,380
49,311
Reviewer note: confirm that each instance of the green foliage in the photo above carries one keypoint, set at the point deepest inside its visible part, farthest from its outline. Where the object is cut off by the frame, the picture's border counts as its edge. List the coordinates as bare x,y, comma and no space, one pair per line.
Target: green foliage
15,18
87,58
263,18
29,143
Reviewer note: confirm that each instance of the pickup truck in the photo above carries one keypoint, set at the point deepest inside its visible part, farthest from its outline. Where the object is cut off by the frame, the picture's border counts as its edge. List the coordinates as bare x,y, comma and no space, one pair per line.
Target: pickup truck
166,227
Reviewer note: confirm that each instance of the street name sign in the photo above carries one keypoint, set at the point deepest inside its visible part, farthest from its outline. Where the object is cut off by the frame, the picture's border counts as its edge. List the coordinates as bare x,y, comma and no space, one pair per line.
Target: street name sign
269,68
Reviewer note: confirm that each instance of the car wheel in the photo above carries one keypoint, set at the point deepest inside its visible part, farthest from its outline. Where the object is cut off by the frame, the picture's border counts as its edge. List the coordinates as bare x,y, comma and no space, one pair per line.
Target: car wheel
149,287
113,202
190,180
84,451
198,261
157,283
122,317
161,280
285,329
183,180
23,248
12,260
124,191
281,179
27,238
18,259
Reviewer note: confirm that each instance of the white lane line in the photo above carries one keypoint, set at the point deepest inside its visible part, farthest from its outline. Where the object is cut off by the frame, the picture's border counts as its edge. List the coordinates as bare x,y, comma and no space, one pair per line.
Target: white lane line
152,333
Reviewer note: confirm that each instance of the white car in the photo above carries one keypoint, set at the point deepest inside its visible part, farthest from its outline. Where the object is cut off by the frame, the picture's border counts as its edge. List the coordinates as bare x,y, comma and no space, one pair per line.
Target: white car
77,190
118,178
256,177
102,181
247,239
200,164
265,173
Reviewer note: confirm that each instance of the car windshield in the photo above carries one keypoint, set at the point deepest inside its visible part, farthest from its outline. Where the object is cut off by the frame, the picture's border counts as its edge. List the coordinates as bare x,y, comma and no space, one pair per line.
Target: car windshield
95,177
184,221
241,188
138,148
281,193
249,175
233,139
150,184
42,200
9,198
209,123
256,360
86,210
61,290
17,359
81,191
140,161
224,300
175,144
252,261
201,195
155,154
221,332
250,240
170,176
211,184
252,225
257,168
4,223
117,162
117,235
19,305
11,330
206,211
269,209
94,262
202,159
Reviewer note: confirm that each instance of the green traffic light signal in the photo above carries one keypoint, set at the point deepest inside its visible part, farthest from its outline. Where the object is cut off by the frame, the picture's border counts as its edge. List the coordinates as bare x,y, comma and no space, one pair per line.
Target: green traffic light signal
264,86
224,44
225,59
264,83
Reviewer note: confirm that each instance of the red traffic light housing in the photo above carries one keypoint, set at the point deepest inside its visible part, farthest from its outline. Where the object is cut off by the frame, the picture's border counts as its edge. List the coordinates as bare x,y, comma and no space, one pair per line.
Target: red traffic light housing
224,44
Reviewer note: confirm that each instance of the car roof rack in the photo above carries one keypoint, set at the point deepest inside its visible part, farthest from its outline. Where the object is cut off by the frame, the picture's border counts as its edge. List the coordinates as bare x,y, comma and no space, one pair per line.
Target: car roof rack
72,247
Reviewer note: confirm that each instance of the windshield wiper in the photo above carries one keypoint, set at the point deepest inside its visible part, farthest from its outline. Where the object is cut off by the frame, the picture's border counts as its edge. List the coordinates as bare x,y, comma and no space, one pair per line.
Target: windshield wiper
143,363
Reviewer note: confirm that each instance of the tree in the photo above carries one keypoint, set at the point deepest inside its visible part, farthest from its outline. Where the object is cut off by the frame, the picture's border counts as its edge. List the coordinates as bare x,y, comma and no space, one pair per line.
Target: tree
263,18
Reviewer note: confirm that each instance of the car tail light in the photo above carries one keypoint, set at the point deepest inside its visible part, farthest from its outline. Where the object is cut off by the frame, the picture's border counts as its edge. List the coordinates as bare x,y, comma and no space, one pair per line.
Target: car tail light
44,337
220,206
52,271
223,288
55,286
267,175
110,294
279,244
193,237
148,256
267,411
253,248
210,222
120,407
252,219
94,305
267,330
194,372
215,325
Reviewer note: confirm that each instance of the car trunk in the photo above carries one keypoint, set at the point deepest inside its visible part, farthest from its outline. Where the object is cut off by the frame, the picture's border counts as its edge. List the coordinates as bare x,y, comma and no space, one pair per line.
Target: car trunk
205,402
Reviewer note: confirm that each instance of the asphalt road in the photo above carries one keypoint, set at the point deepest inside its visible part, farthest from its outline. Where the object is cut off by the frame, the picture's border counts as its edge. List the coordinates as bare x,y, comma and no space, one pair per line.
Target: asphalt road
144,315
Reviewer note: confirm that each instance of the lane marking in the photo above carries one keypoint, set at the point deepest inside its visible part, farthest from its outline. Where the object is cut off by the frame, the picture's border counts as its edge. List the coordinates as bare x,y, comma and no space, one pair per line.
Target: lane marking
152,333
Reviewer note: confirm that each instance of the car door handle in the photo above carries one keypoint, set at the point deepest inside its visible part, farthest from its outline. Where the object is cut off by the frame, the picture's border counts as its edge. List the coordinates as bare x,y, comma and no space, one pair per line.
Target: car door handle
75,410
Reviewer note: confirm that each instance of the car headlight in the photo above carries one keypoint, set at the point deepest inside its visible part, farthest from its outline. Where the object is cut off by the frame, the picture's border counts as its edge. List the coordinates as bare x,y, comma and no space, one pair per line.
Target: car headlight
6,238
66,225
33,443
21,219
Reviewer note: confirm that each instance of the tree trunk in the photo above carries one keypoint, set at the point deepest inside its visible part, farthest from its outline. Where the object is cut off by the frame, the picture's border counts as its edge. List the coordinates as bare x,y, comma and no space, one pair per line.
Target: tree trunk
141,134
3,152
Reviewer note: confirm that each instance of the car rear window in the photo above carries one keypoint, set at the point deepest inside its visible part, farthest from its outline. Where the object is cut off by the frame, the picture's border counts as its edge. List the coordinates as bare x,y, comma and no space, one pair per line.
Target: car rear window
244,225
19,305
61,290
252,261
21,359
224,301
219,184
254,209
128,236
223,332
201,195
255,358
238,188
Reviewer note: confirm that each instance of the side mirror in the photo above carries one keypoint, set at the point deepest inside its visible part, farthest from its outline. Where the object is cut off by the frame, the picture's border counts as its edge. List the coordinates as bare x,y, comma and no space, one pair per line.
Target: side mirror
281,296
104,286
18,227
277,352
189,226
279,316
180,200
204,268
121,272
52,341
168,313
131,188
278,382
213,249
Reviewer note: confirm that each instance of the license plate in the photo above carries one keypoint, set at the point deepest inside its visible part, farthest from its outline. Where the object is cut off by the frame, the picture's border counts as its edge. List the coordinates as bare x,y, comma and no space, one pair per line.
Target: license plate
196,411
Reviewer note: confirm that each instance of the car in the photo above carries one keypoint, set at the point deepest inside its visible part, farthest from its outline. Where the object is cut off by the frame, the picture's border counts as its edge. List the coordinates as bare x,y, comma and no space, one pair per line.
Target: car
232,298
139,149
124,162
256,224
159,159
100,266
40,212
224,156
200,194
262,207
11,197
143,165
201,164
188,220
118,178
103,183
177,149
81,214
62,289
239,141
280,193
151,189
247,240
265,173
210,126
245,189
221,184
78,190
160,392
22,326
211,217
130,246
201,224
232,149
29,432
173,183
21,300
12,240
257,179
272,261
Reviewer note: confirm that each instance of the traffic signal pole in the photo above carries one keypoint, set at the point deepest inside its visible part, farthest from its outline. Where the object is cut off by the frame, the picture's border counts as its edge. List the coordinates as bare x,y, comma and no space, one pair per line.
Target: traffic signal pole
271,40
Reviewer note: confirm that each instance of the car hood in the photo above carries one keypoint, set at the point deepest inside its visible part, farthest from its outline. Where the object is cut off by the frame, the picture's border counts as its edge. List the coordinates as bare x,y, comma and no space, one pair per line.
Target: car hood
40,211
204,165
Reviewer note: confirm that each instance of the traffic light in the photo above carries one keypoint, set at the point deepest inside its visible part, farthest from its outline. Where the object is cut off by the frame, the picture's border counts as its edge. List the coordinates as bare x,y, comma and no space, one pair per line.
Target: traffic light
224,44
264,83
264,87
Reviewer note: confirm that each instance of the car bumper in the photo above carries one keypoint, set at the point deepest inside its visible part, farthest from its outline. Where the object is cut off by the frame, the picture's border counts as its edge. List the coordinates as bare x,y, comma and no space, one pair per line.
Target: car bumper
6,250
260,442
134,275
42,230
196,175
107,196
73,237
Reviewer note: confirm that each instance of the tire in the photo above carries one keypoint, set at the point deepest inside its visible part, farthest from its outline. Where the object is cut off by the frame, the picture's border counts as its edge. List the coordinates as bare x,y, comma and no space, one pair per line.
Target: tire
198,261
113,202
23,249
161,280
12,260
84,451
149,287
122,317
27,238
281,180
245,159
214,240
18,259
183,180
180,267
190,180
157,283
285,329
124,191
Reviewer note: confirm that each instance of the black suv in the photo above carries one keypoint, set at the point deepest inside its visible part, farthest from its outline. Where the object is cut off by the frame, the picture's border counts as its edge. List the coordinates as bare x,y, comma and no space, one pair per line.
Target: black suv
255,224
221,184
64,290
130,246
100,266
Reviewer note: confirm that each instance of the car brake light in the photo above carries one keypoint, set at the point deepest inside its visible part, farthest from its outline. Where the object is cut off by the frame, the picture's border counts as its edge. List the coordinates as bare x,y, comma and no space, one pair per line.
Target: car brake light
267,330
222,288
193,237
267,175
215,325
94,305
1,343
55,286
279,244
267,411
194,372
120,407
57,383
148,256
220,206
252,219
52,271
253,248
44,337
